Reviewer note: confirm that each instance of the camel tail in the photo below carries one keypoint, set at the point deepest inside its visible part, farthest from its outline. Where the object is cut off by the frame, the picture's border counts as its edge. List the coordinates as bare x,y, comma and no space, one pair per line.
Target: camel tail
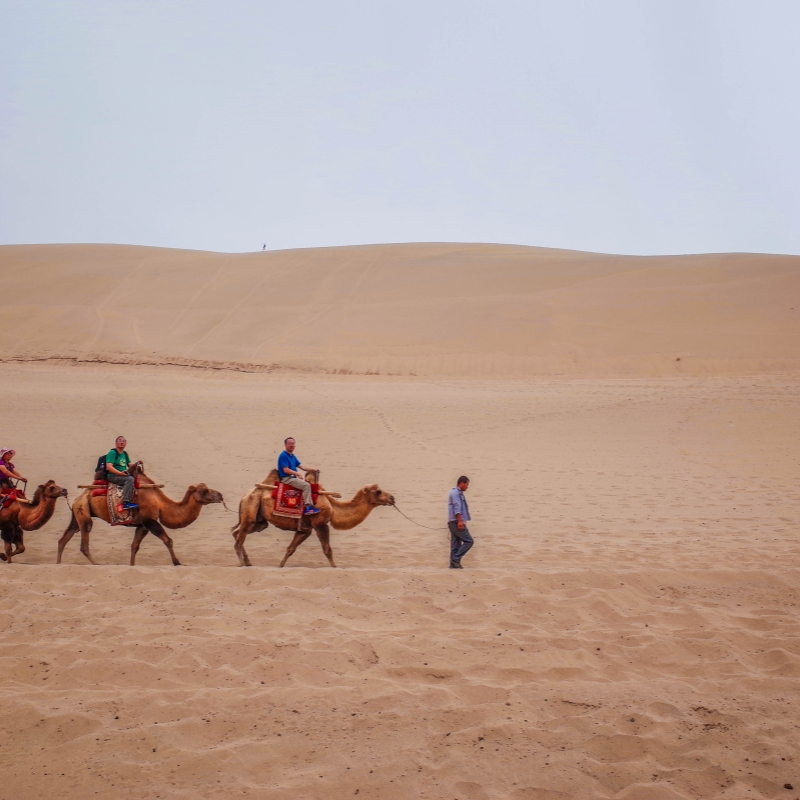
235,528
73,523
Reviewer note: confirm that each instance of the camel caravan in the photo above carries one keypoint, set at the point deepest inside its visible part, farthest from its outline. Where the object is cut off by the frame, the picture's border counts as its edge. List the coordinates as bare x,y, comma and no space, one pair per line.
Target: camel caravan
121,494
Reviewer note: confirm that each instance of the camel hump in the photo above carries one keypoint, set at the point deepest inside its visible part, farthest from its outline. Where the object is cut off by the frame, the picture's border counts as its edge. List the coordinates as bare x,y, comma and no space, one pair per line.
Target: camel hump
272,477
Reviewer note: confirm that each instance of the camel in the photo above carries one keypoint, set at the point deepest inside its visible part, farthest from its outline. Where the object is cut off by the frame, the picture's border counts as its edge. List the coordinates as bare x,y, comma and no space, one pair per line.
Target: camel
156,511
256,512
19,517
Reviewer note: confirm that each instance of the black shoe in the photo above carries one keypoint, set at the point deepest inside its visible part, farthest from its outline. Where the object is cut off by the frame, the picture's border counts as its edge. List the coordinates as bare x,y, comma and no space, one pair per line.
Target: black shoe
130,506
455,565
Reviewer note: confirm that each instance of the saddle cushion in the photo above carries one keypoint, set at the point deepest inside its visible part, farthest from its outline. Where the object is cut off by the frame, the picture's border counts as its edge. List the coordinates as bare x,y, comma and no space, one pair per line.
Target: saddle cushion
314,492
289,501
102,487
8,494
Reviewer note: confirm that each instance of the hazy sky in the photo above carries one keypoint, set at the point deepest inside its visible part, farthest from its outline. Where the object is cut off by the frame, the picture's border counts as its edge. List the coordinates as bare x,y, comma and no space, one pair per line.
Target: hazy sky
625,127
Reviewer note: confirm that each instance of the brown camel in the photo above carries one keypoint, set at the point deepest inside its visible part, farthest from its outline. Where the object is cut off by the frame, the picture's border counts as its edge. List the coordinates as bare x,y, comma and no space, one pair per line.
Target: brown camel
19,517
156,511
256,512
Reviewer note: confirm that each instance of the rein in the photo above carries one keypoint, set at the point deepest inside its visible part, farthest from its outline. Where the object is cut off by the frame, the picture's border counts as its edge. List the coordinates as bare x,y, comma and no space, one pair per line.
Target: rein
418,523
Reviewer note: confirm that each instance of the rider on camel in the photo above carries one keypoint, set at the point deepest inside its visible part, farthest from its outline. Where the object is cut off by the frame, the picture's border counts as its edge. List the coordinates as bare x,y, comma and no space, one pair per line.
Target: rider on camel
117,464
288,466
8,472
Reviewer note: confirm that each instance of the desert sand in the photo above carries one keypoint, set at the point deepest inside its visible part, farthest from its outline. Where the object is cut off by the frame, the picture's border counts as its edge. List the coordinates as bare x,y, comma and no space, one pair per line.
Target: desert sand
626,625
412,309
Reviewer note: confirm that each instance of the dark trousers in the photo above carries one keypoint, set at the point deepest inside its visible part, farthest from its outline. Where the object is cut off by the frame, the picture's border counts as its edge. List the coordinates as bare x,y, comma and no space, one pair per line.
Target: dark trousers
125,481
460,542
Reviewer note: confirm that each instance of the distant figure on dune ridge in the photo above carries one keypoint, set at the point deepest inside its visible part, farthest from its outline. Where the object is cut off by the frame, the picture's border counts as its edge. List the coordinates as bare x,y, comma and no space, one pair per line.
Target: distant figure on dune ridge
264,247
457,519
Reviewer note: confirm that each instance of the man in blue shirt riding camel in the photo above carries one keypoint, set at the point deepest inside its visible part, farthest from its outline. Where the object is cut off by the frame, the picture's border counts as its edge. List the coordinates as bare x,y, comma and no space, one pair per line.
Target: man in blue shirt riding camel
288,466
457,519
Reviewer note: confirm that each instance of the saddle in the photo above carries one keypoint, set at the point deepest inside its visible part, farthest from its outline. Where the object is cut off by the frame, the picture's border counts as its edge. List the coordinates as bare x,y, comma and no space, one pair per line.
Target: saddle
102,488
8,496
117,514
289,501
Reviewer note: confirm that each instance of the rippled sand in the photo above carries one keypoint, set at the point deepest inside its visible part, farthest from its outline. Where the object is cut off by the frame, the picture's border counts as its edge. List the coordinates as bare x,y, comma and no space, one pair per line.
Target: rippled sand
625,627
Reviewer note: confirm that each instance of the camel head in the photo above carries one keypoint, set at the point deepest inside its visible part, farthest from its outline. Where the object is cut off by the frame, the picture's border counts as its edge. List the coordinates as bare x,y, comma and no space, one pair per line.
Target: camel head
50,490
205,496
377,497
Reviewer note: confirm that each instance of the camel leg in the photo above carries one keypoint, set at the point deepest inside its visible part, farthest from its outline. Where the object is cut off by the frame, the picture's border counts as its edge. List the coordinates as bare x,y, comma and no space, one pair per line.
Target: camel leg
19,544
324,535
299,538
71,530
159,532
18,550
6,531
140,533
239,534
86,529
238,546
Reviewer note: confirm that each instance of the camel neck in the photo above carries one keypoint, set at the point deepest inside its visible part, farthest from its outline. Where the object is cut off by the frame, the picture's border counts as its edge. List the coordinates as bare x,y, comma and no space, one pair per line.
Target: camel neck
179,514
32,517
347,515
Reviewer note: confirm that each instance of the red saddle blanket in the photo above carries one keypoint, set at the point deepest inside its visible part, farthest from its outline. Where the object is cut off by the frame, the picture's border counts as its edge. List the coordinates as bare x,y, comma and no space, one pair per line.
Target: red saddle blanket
289,501
8,496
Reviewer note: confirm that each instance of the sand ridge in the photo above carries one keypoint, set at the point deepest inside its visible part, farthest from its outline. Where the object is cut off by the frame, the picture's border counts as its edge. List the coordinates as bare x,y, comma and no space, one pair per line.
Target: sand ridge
468,310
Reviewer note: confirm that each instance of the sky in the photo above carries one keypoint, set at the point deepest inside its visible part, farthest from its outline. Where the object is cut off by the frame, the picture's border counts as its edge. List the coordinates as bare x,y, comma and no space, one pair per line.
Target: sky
637,127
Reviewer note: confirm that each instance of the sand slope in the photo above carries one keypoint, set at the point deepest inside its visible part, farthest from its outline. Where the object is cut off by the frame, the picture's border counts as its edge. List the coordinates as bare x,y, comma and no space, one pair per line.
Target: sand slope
626,626
422,309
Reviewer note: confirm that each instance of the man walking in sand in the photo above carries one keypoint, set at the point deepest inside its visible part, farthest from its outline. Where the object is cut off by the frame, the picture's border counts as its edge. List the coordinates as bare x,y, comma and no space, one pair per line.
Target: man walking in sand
457,519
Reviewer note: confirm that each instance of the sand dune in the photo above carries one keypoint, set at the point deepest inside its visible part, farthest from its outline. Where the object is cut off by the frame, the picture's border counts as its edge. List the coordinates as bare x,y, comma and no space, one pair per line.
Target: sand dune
626,626
410,309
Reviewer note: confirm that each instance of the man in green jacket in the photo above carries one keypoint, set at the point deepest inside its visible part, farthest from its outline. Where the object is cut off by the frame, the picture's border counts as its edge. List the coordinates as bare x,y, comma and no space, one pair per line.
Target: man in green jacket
117,463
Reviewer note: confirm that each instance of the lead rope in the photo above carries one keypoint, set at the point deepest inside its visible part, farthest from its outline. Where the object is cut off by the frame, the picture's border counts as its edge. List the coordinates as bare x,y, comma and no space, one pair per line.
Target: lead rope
419,523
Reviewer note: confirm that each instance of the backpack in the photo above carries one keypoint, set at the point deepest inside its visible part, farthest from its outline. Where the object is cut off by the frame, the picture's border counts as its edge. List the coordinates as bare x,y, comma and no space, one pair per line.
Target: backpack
100,469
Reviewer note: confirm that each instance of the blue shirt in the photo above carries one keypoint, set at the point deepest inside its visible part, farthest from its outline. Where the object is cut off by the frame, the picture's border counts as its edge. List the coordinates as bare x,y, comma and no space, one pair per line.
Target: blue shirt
457,504
287,460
